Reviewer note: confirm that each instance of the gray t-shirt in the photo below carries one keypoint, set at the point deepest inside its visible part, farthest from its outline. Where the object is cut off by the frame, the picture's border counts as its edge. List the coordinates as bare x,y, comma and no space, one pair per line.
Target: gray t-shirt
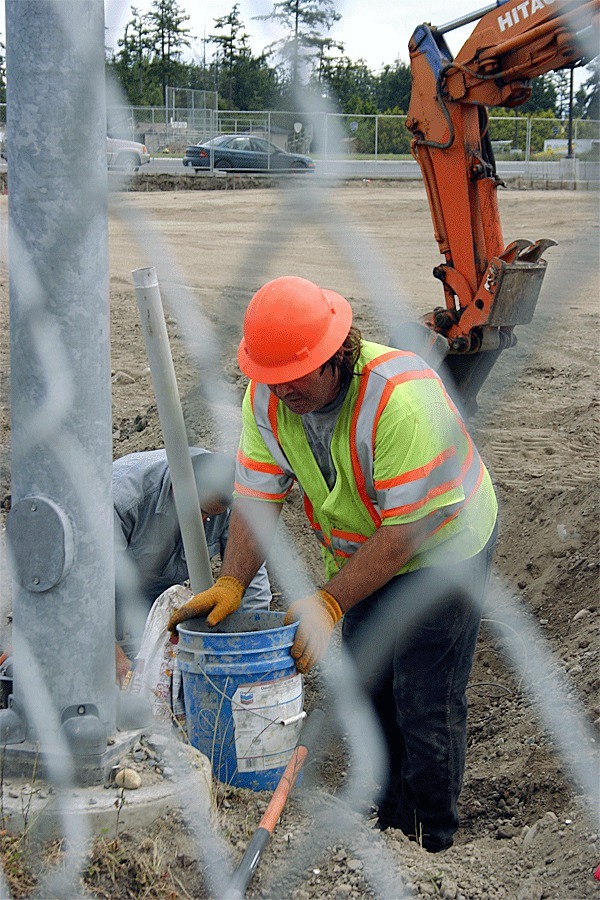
147,536
318,427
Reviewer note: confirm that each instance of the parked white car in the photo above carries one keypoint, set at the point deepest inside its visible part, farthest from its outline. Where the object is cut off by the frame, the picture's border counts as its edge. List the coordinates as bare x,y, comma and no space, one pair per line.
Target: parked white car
127,156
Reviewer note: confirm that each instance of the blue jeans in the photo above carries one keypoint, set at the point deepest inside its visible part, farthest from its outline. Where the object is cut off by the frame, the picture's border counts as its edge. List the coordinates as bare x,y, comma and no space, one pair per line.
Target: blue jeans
413,643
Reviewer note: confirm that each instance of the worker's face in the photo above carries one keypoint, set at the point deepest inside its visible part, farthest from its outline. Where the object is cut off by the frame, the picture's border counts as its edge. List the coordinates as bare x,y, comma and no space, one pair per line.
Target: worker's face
311,392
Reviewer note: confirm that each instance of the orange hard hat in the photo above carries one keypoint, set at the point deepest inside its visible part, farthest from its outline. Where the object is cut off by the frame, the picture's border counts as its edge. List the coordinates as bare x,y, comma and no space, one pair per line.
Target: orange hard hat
291,327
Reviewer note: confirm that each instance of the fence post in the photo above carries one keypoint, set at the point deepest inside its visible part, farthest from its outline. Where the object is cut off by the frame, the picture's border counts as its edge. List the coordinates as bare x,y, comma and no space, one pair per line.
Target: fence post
60,525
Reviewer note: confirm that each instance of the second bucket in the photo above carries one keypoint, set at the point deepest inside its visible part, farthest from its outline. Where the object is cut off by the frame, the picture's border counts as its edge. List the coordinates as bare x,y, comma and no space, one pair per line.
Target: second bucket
243,695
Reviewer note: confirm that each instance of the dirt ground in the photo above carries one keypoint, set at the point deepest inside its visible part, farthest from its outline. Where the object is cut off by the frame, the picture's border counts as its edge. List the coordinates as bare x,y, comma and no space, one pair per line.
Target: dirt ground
526,831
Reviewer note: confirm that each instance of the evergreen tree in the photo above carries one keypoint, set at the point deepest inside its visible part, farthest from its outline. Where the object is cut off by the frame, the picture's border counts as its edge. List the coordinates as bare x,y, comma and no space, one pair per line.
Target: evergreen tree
393,87
351,85
168,36
131,64
303,22
562,83
324,58
543,95
588,95
232,46
256,85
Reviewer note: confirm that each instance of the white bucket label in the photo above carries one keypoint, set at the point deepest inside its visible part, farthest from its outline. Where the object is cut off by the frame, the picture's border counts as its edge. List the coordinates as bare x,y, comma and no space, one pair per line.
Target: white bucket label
261,740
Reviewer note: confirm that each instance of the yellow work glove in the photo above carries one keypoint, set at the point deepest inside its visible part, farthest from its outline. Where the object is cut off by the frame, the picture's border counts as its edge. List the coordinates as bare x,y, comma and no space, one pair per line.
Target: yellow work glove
317,616
122,664
223,598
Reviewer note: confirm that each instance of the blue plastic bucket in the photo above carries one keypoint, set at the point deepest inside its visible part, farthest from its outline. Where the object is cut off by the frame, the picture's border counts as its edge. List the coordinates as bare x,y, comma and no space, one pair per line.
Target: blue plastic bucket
243,695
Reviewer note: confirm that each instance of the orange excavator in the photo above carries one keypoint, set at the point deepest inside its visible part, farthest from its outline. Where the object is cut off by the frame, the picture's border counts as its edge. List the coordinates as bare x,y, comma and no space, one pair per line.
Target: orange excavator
488,287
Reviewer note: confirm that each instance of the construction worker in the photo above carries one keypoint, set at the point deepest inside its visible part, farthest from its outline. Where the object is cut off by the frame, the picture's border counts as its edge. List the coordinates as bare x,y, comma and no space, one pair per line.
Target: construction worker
405,512
149,553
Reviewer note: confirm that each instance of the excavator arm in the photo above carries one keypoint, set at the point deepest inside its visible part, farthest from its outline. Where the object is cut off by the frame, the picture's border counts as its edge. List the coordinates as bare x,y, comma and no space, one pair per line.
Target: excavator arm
489,287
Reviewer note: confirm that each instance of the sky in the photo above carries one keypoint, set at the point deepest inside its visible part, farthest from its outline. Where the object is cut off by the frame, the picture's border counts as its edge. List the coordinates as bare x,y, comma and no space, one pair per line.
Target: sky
377,31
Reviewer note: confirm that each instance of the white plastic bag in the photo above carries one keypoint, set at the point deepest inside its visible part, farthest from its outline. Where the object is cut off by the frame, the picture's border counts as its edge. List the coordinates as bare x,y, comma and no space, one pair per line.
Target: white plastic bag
156,674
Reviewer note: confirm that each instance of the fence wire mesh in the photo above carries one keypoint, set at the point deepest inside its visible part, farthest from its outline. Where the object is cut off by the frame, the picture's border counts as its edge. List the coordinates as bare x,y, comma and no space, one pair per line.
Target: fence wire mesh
330,845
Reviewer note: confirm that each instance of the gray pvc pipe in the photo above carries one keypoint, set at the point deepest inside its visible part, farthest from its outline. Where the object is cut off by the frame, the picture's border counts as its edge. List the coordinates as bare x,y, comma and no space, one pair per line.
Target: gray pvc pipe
185,492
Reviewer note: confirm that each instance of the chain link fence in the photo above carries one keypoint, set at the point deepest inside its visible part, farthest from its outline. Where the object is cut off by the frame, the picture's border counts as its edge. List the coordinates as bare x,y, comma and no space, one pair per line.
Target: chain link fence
335,820
540,142
331,135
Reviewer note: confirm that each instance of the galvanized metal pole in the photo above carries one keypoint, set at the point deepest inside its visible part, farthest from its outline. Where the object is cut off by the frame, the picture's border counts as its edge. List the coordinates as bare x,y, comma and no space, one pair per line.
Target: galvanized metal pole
60,524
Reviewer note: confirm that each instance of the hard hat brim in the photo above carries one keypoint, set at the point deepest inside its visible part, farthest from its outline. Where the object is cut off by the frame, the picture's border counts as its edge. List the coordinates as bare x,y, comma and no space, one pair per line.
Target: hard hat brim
324,349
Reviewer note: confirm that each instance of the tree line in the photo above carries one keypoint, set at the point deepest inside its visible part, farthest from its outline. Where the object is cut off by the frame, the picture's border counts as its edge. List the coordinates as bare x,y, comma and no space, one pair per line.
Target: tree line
151,54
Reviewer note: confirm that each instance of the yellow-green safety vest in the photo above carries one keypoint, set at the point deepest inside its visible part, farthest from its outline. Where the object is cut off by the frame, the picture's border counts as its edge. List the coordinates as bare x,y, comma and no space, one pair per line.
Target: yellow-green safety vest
401,453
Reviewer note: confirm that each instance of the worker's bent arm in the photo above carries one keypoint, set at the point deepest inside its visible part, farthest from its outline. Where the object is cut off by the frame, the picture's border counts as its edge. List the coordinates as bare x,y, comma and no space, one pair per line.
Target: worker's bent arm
375,562
251,529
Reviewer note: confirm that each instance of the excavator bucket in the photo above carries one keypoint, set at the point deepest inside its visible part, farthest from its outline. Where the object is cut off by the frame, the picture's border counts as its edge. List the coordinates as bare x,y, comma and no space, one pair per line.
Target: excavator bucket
517,290
517,280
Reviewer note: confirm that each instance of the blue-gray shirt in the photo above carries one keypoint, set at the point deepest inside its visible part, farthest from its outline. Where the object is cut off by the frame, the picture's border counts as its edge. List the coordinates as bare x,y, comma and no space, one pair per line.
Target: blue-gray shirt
147,530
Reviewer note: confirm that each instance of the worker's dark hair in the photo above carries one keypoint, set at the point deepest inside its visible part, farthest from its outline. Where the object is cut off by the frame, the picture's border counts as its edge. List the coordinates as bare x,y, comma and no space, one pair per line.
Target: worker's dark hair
214,473
343,361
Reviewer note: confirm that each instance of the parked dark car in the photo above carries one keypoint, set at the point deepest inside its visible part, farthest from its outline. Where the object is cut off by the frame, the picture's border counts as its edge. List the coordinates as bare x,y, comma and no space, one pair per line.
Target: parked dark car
244,153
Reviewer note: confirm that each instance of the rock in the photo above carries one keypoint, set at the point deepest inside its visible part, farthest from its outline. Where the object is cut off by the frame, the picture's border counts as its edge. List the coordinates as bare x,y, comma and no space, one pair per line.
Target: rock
531,835
128,779
122,378
355,865
505,832
549,819
582,614
158,742
530,890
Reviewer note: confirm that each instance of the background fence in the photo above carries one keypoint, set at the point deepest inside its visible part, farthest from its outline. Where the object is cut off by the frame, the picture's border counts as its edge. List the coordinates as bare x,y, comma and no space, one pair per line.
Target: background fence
327,134
331,135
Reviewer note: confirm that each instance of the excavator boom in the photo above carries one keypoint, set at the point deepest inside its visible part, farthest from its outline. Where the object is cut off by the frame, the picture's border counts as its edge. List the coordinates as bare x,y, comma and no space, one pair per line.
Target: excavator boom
489,287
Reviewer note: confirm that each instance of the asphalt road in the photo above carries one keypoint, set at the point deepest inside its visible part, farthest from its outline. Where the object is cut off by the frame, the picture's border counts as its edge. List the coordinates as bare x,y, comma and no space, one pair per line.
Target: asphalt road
408,169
